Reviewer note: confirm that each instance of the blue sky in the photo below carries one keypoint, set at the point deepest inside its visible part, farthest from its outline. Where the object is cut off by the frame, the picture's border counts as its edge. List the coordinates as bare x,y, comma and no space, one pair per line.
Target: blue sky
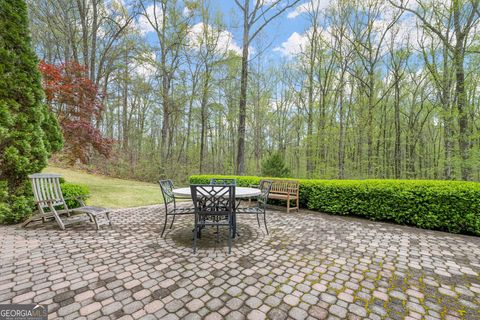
285,36
277,33
274,34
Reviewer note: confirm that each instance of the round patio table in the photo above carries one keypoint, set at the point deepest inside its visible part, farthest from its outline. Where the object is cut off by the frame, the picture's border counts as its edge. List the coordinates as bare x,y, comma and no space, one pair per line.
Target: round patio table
240,192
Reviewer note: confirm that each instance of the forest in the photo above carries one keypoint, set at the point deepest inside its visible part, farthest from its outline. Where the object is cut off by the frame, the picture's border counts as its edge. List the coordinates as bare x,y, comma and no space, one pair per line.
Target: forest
162,88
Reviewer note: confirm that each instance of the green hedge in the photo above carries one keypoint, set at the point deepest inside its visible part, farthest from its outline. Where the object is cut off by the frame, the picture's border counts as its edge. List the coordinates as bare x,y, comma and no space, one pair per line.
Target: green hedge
452,206
14,209
71,190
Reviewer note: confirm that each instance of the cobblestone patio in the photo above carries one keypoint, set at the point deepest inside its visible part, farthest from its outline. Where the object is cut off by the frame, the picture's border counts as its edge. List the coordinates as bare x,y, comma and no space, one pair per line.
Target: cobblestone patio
311,266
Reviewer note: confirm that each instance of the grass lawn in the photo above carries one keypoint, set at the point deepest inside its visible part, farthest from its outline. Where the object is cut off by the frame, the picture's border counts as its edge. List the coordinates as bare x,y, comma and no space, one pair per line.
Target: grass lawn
112,192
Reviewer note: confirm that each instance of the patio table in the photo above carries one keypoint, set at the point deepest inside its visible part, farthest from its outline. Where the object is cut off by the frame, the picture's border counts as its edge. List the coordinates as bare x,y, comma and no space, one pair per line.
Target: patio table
240,192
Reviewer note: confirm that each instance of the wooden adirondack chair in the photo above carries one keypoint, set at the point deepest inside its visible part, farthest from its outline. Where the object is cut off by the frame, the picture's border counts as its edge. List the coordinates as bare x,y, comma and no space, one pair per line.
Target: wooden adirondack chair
50,202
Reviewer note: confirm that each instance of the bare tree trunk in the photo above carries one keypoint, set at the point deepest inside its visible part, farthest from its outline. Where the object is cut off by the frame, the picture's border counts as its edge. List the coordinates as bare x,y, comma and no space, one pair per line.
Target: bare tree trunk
93,48
203,117
242,110
398,137
310,101
341,138
125,125
458,60
370,125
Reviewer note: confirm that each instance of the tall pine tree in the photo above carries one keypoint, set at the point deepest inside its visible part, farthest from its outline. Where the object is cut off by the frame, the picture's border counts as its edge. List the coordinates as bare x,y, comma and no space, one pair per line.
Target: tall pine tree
28,131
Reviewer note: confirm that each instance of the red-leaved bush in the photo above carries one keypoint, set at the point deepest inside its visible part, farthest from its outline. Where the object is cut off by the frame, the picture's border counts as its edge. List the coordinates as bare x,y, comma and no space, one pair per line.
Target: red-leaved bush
76,101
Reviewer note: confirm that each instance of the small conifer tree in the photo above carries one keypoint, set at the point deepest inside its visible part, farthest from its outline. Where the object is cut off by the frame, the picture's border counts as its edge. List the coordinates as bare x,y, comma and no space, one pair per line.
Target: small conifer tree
29,133
274,166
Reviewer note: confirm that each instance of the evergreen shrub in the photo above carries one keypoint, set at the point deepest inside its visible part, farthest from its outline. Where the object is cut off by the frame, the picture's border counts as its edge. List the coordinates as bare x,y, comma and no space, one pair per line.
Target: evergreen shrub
29,132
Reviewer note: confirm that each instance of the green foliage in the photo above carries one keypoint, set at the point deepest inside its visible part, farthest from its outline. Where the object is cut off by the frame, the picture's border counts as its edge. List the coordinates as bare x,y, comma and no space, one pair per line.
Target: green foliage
71,191
451,206
14,209
28,132
274,166
242,181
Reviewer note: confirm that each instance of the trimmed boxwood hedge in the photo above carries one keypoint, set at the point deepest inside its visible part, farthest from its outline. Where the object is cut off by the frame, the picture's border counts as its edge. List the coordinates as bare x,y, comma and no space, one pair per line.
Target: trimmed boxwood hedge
452,206
71,190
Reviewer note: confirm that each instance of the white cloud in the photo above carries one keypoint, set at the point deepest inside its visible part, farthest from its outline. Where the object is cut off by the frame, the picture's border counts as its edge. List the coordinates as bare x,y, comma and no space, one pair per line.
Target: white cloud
297,43
268,2
186,12
152,13
145,65
309,6
225,38
294,45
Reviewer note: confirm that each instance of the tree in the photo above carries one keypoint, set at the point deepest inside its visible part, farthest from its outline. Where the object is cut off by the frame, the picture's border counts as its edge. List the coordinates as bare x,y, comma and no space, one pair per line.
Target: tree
254,21
77,103
368,42
274,166
28,131
366,89
453,26
171,28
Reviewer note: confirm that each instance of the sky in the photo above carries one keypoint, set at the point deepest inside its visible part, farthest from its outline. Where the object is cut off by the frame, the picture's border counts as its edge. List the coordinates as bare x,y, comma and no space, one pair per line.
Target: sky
284,37
280,39
280,36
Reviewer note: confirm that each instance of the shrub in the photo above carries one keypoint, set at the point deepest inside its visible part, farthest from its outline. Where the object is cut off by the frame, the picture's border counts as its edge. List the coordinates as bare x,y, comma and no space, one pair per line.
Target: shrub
452,206
28,131
13,208
274,166
71,190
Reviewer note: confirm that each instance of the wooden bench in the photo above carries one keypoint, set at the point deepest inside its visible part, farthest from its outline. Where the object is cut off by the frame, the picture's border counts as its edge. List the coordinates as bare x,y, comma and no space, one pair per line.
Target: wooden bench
285,190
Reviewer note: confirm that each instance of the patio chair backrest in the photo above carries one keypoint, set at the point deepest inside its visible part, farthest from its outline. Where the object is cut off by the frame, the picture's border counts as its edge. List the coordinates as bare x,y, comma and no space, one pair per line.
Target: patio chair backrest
46,189
264,186
167,191
213,199
223,181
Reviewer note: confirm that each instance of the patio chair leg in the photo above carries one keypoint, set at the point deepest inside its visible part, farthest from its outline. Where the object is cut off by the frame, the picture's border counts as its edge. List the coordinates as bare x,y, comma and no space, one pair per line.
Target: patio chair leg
108,218
24,224
218,234
57,217
195,239
230,238
164,225
258,220
171,224
265,220
96,222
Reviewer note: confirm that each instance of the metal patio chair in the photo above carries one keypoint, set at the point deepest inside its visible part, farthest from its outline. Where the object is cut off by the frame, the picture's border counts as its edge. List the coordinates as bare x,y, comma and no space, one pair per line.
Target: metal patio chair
51,203
214,206
261,205
170,201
